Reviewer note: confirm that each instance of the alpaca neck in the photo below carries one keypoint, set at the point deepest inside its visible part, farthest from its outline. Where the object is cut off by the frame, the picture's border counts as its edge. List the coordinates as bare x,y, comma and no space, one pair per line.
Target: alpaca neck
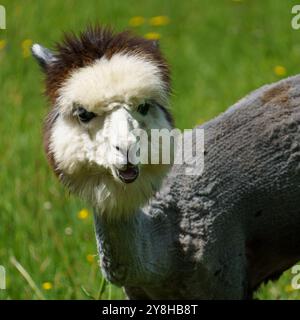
134,250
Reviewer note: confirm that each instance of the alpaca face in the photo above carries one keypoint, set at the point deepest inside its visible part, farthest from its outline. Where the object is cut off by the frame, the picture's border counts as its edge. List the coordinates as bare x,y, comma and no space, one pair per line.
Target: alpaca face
102,107
98,111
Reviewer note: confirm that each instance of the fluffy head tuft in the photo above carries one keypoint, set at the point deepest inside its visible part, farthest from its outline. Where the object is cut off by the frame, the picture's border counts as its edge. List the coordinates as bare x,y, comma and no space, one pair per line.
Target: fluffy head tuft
94,43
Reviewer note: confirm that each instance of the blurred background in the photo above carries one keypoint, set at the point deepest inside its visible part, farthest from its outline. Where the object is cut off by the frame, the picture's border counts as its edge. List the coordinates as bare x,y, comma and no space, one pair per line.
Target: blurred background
219,50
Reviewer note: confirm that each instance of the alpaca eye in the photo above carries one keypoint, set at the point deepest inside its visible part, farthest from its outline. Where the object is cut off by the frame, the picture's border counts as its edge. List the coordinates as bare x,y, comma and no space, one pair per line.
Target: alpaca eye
84,115
143,108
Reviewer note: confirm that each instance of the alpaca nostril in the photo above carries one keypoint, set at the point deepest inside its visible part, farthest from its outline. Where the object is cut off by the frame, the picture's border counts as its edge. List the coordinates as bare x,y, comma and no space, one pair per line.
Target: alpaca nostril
124,151
121,150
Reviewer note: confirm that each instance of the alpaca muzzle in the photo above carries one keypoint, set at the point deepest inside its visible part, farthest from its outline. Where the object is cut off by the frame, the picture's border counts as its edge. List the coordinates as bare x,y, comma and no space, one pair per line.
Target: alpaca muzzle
128,174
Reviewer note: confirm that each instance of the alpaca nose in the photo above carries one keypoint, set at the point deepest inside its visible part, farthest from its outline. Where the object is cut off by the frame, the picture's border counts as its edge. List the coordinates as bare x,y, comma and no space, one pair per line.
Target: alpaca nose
127,153
121,149
124,147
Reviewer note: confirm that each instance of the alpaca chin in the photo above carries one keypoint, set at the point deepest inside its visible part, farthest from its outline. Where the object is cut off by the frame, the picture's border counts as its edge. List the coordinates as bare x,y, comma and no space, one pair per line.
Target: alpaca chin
114,199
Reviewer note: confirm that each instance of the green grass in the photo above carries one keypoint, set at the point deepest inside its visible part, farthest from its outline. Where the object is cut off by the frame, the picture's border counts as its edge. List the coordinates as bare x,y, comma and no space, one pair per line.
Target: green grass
219,51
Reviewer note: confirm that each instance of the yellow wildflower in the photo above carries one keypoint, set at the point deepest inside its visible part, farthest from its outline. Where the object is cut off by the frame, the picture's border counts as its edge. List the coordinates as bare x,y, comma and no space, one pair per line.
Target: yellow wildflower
289,288
26,45
152,36
2,44
280,71
47,285
159,21
136,21
90,258
83,214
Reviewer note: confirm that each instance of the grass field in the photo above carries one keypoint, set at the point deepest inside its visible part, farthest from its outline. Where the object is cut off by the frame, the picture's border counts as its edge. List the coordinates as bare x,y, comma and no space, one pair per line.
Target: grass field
219,50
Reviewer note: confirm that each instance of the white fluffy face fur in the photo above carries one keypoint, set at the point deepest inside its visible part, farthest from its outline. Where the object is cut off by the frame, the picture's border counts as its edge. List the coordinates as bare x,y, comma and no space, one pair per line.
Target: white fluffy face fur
86,153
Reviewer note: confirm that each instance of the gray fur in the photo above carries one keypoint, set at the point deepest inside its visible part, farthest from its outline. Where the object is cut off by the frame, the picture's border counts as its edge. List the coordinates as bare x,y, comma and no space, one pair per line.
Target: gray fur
43,55
221,234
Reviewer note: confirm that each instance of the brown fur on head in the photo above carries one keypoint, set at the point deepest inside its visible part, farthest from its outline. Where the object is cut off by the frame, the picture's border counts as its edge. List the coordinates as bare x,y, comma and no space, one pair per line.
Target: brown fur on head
103,86
94,43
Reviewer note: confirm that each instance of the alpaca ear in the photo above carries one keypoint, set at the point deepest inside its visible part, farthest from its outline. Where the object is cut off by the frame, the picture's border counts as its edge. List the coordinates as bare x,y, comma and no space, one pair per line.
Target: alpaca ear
155,43
43,56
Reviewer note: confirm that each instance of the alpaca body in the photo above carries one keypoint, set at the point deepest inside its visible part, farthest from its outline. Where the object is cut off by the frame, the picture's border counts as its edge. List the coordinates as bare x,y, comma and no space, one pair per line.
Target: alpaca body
219,235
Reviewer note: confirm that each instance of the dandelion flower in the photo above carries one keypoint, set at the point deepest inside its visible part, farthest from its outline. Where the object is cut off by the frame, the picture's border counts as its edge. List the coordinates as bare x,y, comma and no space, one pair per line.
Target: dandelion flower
280,71
136,21
2,44
159,21
47,286
26,45
90,258
83,214
152,36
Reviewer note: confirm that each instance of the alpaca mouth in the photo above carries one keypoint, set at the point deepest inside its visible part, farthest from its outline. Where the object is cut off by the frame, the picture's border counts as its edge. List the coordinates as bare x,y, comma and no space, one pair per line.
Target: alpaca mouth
129,174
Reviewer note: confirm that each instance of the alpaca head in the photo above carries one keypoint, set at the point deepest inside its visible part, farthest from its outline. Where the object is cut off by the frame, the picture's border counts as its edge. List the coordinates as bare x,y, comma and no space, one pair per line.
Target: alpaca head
104,88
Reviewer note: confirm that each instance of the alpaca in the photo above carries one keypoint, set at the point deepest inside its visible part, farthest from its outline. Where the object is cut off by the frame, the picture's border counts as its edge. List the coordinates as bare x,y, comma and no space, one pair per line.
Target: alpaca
162,233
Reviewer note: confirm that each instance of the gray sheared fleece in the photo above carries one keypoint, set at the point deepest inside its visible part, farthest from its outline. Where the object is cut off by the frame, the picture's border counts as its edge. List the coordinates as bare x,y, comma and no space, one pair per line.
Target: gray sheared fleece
221,234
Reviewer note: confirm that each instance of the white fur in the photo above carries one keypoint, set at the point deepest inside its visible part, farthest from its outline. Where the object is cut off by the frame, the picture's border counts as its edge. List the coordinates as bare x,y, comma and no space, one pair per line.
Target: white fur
123,79
86,153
